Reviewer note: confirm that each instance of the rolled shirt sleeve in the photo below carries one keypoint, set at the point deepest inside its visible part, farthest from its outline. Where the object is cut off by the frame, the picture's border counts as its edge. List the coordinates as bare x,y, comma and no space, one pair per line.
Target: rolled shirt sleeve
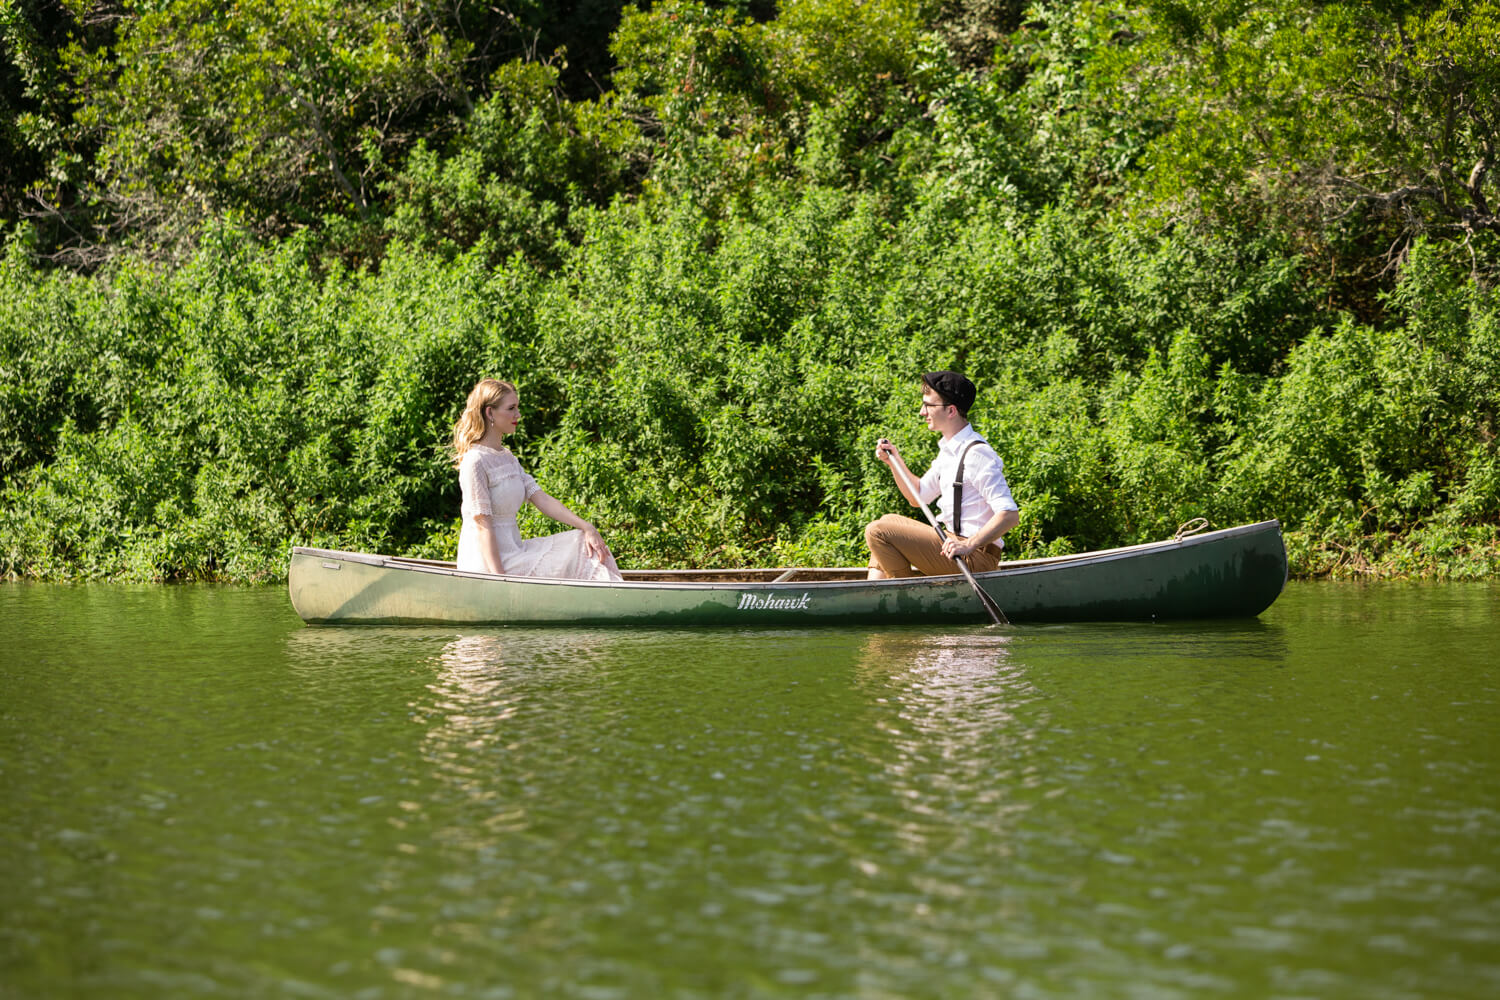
989,480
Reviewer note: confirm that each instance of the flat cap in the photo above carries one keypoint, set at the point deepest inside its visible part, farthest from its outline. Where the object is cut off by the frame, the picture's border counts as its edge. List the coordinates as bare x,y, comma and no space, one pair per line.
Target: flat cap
953,387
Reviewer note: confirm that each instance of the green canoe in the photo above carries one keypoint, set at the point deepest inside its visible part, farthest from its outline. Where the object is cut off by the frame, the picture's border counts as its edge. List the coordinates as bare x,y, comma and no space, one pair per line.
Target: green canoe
1233,573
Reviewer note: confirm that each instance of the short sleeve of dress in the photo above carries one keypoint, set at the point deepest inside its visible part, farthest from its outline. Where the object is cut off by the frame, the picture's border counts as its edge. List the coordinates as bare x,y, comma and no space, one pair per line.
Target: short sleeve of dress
531,486
475,485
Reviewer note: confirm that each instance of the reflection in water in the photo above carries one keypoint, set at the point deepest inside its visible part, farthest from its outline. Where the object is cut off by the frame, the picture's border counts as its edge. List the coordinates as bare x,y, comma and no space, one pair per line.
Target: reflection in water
468,707
470,690
945,762
498,696
200,796
954,692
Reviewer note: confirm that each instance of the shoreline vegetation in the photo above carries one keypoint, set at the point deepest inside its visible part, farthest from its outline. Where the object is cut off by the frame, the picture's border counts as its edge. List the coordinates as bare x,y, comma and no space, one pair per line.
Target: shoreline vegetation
1203,259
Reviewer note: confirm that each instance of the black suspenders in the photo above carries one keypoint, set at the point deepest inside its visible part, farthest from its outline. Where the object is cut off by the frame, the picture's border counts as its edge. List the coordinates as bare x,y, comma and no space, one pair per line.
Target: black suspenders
958,489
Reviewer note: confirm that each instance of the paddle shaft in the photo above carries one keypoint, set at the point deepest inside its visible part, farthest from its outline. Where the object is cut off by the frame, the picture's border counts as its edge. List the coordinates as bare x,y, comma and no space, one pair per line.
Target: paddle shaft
996,615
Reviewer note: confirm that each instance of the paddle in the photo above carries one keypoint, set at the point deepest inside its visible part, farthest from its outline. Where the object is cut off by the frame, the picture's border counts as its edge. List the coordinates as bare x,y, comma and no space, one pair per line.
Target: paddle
996,615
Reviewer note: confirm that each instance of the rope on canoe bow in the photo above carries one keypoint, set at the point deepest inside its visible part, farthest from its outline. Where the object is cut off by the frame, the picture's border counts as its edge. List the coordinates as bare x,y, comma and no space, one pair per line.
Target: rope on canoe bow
1192,527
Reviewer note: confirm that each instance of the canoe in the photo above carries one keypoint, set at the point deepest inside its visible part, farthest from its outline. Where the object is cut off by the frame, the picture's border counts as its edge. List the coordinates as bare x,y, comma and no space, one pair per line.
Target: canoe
1231,573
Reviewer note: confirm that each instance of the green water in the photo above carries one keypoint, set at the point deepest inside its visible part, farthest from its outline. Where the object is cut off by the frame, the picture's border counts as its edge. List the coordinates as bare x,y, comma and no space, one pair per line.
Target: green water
200,797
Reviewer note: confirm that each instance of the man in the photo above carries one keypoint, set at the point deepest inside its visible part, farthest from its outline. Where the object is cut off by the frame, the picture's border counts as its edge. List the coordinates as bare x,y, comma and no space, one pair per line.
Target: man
966,468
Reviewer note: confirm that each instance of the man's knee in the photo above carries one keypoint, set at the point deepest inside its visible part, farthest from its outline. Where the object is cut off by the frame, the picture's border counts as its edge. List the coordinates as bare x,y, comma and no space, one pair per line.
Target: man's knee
878,530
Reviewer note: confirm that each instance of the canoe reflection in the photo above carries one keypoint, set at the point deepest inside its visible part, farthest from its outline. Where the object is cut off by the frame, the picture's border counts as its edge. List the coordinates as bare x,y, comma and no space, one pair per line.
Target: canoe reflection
483,676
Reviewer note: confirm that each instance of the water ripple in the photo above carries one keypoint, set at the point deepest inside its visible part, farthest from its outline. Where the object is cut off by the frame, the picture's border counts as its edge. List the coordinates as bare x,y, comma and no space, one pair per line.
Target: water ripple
201,797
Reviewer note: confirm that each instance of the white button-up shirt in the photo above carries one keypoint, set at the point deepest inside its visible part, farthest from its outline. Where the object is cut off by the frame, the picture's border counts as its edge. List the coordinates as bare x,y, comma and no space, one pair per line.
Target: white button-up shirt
985,489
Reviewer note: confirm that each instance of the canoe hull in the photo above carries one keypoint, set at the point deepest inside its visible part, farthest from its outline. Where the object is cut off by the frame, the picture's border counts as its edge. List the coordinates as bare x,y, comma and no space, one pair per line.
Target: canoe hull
1232,573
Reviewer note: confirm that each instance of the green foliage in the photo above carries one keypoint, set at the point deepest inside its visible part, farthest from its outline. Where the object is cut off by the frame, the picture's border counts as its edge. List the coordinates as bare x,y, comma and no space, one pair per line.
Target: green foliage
277,111
1378,432
42,161
721,407
731,103
1358,127
521,162
1156,236
273,407
974,29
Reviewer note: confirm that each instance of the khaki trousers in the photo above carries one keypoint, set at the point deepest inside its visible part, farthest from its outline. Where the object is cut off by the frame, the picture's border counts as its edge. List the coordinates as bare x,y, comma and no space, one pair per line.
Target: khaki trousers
898,543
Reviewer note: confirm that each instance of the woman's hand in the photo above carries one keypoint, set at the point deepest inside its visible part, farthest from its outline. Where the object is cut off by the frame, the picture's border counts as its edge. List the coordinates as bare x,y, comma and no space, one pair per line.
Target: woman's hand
594,543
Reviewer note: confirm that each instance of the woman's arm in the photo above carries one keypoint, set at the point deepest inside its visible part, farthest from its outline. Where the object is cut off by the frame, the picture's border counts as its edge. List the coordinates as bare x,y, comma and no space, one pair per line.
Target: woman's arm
555,509
489,544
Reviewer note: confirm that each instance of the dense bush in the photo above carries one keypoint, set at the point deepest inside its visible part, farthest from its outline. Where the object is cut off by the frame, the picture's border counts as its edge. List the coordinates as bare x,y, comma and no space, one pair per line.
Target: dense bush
1190,269
710,392
272,406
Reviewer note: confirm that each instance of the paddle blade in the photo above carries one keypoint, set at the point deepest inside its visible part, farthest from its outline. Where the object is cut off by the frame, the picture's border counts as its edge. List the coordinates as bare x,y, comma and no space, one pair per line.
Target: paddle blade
989,605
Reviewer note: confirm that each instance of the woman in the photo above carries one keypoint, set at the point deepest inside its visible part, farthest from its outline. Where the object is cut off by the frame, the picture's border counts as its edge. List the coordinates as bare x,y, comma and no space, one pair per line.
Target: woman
494,488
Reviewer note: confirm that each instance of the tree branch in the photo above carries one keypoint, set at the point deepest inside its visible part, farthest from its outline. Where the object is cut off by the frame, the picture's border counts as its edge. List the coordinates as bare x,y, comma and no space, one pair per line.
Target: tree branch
1392,198
1475,185
331,151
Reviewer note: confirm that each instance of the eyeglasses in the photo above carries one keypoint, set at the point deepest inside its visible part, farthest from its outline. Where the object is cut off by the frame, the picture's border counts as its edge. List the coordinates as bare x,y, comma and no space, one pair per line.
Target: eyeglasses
932,406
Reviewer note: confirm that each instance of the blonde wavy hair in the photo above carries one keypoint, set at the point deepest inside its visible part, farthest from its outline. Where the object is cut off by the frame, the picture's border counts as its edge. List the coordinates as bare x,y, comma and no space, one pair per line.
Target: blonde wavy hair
470,426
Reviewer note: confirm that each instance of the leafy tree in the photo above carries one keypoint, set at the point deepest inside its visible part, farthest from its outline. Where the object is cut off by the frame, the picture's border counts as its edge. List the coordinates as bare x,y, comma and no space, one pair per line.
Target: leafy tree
1357,126
728,101
43,163
1042,124
275,111
854,73
1158,234
974,29
695,78
522,161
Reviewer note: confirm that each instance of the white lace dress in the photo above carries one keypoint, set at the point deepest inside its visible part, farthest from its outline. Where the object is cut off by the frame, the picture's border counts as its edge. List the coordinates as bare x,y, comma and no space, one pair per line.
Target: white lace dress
493,483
